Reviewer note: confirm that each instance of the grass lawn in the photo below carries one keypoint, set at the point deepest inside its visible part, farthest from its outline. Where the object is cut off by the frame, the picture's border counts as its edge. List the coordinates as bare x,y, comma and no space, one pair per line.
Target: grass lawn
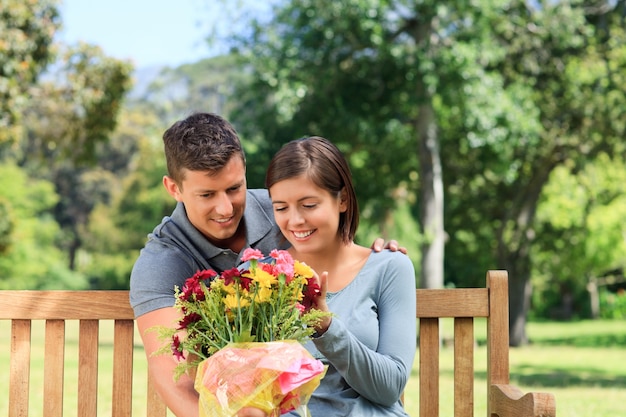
582,363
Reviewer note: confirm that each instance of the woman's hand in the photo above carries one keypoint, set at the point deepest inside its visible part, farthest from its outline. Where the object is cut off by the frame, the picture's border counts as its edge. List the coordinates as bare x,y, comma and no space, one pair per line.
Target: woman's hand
319,303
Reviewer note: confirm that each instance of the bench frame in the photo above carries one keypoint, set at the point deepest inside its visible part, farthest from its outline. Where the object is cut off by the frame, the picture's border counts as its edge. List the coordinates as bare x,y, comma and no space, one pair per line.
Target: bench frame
464,305
91,307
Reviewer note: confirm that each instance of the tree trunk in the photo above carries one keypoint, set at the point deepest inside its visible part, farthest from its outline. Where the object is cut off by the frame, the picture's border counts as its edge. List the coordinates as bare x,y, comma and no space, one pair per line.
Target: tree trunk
520,291
431,201
515,237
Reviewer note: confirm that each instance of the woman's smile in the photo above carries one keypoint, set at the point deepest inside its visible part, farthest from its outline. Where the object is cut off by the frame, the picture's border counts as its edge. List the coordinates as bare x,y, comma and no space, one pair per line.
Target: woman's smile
302,234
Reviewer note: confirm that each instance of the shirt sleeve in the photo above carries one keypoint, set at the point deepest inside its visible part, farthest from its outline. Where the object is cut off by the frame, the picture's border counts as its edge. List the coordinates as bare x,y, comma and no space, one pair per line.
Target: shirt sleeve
154,278
379,375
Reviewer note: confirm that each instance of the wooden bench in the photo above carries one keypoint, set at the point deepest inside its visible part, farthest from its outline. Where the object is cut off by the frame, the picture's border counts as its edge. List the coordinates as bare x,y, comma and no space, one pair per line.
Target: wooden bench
464,305
90,308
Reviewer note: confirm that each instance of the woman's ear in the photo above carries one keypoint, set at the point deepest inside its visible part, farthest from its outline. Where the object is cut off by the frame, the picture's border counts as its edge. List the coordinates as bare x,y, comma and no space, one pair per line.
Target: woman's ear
343,201
172,188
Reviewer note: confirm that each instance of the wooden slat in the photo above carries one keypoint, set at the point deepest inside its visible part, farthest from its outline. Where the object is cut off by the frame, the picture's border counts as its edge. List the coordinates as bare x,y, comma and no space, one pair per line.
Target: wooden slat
19,377
156,407
498,329
88,338
53,368
457,302
55,307
429,367
123,368
497,333
65,305
464,367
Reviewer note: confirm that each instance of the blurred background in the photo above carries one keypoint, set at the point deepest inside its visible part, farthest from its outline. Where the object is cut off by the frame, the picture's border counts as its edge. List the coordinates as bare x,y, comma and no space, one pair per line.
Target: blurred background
482,135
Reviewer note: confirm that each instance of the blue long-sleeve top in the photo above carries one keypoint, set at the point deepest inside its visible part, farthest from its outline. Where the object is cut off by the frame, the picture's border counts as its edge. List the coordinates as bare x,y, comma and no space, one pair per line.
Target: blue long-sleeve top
370,345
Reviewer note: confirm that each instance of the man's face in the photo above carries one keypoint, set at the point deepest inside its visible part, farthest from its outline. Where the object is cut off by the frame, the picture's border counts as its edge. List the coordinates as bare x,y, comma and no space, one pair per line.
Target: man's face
215,202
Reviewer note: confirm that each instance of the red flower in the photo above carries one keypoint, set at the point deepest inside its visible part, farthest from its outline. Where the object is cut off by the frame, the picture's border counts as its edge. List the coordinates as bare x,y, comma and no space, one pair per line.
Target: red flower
230,275
234,275
188,319
176,350
192,289
310,291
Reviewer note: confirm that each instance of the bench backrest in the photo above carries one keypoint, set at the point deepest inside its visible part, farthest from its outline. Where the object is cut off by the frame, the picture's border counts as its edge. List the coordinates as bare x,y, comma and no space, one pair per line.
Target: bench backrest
91,308
55,308
464,305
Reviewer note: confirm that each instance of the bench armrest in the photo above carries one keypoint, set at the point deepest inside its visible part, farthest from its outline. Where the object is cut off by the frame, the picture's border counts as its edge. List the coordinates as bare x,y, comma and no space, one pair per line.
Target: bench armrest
510,401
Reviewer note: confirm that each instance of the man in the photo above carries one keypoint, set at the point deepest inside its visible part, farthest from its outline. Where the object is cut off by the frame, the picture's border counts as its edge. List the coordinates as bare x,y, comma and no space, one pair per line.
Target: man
216,217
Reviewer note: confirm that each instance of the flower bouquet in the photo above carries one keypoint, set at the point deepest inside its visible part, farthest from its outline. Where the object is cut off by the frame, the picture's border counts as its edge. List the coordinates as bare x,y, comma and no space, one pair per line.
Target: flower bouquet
242,331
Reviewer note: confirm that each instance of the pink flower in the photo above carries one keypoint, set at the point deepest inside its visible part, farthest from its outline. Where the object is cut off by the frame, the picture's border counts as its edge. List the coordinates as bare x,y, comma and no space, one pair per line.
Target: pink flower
301,308
250,253
284,263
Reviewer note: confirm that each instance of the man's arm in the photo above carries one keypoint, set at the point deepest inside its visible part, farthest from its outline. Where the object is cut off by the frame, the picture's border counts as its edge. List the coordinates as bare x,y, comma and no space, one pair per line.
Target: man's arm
179,396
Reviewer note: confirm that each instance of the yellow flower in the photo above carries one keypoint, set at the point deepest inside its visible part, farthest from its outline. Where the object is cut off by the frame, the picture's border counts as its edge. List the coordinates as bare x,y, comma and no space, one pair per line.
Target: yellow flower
264,279
230,301
303,269
229,289
264,295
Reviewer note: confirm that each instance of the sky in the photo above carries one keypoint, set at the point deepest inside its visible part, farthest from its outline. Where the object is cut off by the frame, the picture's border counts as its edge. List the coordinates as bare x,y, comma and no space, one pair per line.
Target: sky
147,32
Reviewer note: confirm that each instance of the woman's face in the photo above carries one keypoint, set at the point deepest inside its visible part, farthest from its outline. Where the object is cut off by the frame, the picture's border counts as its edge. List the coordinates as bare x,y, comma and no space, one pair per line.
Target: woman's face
308,216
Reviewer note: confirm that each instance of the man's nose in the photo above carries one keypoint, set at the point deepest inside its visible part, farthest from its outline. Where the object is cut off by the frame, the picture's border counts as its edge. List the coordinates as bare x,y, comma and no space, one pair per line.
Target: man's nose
224,206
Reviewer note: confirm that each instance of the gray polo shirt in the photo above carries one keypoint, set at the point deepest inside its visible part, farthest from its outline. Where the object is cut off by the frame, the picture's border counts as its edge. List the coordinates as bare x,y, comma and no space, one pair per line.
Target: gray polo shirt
176,250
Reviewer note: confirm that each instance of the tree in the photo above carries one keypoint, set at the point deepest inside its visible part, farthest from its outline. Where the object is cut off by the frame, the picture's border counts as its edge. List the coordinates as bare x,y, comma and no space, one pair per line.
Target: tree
26,34
118,227
577,76
508,89
580,236
70,117
30,258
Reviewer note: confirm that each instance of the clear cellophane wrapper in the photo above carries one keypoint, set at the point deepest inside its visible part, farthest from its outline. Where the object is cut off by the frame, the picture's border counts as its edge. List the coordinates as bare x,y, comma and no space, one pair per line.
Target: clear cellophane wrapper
276,377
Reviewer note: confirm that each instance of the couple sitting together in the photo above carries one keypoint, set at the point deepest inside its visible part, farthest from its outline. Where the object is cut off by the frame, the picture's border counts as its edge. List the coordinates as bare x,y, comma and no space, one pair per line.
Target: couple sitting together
309,208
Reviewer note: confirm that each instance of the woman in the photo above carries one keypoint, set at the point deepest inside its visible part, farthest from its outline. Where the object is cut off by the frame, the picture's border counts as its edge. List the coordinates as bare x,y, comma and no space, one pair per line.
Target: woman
369,342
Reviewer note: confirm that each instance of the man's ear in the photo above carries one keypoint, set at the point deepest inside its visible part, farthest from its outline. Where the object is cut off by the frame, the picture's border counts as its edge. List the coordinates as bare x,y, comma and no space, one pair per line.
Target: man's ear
172,188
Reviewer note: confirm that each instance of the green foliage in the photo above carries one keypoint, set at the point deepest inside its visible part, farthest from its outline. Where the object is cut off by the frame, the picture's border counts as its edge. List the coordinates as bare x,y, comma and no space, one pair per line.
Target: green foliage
580,231
613,304
68,123
399,225
31,259
75,109
118,226
26,33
